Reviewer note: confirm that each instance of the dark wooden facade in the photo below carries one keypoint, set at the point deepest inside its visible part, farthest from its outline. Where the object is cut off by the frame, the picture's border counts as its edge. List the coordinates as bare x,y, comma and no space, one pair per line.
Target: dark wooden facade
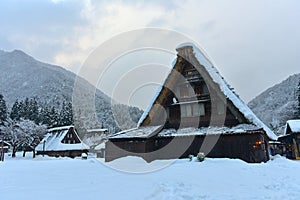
277,148
291,143
251,147
291,140
190,98
64,153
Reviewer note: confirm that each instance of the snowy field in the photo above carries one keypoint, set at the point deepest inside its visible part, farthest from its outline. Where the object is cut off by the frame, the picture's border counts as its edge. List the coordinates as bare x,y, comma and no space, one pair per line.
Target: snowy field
63,178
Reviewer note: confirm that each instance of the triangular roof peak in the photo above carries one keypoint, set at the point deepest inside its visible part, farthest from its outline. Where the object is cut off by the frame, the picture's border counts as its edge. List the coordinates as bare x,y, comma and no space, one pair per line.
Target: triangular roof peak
53,140
196,57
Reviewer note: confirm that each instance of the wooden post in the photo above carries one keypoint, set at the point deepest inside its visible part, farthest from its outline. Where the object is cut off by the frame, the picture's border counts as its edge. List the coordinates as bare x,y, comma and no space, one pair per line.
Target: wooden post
2,151
44,147
296,151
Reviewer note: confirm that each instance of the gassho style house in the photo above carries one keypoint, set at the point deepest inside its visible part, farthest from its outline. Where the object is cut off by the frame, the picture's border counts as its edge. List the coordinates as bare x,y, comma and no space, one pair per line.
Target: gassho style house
194,111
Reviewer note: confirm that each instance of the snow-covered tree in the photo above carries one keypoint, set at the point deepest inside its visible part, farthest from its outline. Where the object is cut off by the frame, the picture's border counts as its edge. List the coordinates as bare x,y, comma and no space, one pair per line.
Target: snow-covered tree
3,110
32,133
49,116
126,116
66,114
15,111
135,113
23,133
12,134
25,109
33,112
53,116
45,116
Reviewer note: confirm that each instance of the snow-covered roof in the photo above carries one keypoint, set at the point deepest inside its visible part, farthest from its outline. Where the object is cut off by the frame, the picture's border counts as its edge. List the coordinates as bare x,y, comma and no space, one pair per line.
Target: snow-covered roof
147,131
294,125
53,140
60,128
100,146
4,142
225,88
241,128
141,132
97,130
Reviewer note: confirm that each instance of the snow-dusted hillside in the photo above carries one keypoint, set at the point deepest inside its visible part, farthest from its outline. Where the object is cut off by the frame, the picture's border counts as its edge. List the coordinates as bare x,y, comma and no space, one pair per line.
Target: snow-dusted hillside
22,76
277,104
64,178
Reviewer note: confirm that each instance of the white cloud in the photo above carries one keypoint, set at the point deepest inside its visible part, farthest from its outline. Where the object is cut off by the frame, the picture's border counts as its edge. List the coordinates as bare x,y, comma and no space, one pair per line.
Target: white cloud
252,38
105,20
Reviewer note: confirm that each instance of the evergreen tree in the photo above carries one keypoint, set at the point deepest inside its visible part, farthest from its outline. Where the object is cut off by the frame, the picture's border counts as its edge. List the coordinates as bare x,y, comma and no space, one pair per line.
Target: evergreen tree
61,115
15,111
3,110
26,109
53,117
45,116
49,116
21,110
66,114
70,113
33,111
29,109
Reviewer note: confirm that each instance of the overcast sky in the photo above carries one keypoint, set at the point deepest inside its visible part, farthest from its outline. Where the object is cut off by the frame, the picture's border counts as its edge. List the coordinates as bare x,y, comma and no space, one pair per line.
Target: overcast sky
254,43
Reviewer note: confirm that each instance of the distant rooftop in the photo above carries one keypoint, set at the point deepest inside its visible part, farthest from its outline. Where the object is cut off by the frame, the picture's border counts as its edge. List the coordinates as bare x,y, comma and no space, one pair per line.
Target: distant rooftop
294,125
97,130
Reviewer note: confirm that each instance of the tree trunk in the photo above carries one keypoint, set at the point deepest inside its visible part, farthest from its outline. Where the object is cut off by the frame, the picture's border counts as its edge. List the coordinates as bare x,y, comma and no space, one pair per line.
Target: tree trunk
14,152
24,153
33,153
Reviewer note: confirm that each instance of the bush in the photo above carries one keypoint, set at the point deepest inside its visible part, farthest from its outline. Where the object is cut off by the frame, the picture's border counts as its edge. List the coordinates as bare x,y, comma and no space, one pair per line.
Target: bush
200,156
191,157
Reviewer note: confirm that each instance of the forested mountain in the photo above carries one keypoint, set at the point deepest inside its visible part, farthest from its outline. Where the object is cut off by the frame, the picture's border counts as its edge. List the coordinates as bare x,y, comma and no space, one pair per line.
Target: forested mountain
278,104
23,76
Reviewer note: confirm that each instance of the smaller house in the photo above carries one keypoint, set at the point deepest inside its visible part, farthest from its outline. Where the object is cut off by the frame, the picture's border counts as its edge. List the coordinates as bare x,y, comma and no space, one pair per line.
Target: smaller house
4,146
291,139
94,137
62,141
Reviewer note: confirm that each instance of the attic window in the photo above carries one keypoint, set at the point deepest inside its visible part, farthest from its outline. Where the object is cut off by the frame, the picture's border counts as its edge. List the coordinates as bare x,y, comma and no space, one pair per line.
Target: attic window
192,110
196,110
198,90
184,91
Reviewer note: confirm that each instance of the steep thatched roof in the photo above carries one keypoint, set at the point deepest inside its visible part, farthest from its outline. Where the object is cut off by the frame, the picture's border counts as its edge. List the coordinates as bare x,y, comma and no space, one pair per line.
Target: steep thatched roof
213,78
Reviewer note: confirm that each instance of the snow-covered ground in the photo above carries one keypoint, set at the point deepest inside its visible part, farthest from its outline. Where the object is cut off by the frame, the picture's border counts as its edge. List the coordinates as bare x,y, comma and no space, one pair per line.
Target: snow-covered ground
63,178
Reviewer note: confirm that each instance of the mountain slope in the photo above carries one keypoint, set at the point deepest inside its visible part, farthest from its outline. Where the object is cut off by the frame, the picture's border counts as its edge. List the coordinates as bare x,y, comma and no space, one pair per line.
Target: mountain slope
277,104
22,76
